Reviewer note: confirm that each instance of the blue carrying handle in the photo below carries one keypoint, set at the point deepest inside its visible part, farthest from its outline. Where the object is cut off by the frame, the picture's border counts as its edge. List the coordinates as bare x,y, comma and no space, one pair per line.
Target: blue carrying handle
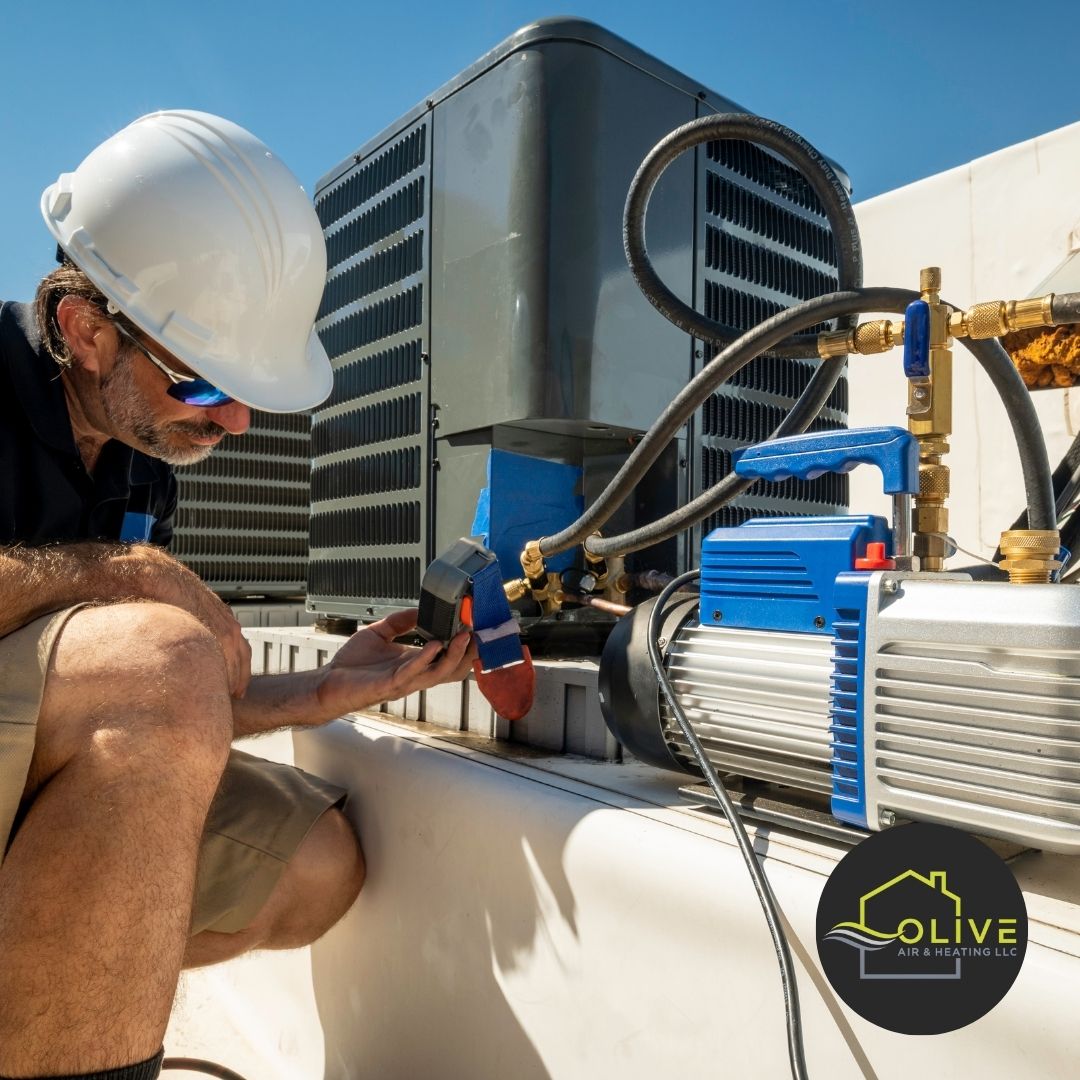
892,449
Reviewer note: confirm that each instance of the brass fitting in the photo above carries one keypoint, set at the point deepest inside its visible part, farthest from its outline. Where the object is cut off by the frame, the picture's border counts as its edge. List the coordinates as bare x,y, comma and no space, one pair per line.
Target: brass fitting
515,589
997,317
866,339
532,562
1030,555
615,574
544,586
835,343
552,597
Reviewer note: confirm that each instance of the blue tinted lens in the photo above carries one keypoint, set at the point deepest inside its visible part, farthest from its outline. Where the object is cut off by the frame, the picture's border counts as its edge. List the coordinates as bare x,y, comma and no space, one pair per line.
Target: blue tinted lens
199,393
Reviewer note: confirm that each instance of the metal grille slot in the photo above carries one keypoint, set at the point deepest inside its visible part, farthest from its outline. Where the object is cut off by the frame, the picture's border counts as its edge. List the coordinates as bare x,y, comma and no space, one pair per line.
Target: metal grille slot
392,470
728,417
242,515
749,211
380,320
397,523
377,175
380,422
754,163
381,221
375,273
219,490
759,266
789,378
396,366
383,580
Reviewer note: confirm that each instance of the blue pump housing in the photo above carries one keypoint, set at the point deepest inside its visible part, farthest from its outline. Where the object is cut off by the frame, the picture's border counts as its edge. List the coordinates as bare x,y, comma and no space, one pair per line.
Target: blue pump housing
780,573
798,574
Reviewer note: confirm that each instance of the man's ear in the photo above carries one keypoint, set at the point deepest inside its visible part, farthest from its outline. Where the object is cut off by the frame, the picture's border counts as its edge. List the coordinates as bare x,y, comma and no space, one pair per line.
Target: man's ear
86,331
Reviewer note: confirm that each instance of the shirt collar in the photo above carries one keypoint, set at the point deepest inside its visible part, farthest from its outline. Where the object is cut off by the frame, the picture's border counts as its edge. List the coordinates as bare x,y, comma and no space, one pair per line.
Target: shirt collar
36,376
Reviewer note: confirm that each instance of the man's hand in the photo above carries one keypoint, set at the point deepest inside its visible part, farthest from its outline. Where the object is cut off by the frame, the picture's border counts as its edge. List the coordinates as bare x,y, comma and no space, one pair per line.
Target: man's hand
371,668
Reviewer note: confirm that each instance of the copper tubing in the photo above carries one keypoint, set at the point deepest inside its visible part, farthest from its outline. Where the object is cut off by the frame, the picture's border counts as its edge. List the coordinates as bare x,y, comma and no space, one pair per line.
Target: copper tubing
600,605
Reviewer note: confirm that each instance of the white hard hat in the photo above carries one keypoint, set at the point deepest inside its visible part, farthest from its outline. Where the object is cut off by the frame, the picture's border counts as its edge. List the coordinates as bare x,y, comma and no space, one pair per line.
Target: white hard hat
208,243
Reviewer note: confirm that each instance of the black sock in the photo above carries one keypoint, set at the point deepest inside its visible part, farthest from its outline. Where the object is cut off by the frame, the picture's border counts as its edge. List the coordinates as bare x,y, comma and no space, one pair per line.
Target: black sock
144,1070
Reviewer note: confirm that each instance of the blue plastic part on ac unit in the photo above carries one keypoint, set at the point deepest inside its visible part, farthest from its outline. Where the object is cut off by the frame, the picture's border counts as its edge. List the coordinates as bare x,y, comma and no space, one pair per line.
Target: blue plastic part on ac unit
525,497
780,573
846,699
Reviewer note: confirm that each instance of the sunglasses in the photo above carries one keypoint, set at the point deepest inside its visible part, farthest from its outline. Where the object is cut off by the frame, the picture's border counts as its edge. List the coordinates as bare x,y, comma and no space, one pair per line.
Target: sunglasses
189,389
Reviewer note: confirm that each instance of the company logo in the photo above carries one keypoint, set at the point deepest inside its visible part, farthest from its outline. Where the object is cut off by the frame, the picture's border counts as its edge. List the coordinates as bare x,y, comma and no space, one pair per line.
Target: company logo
921,929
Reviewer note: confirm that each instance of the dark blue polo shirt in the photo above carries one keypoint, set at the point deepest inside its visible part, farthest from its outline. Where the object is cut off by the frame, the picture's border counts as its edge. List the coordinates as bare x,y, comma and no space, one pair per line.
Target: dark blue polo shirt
46,494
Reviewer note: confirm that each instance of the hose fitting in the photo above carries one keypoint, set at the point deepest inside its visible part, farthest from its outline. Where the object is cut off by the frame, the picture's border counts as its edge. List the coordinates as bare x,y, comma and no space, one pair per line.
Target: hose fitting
515,589
1030,555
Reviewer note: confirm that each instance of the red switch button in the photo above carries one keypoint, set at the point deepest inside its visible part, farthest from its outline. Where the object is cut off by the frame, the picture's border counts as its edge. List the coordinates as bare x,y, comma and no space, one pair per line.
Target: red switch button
875,558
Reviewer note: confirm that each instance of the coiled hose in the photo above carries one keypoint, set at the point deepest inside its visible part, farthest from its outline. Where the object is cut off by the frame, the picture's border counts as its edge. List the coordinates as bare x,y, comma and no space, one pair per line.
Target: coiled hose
778,335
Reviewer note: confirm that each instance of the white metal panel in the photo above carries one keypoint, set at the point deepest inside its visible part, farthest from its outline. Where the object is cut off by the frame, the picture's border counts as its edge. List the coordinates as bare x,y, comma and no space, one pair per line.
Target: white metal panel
551,918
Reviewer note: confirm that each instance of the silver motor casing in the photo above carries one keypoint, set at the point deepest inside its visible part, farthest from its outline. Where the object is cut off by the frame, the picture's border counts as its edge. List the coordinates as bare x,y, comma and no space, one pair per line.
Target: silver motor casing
970,705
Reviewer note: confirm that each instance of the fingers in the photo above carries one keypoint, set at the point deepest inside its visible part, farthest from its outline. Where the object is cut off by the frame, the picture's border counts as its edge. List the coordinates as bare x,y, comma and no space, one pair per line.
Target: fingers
427,668
395,624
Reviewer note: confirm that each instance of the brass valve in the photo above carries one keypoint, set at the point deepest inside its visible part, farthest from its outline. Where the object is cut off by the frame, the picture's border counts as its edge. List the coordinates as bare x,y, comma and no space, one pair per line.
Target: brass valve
544,585
515,589
1030,555
993,318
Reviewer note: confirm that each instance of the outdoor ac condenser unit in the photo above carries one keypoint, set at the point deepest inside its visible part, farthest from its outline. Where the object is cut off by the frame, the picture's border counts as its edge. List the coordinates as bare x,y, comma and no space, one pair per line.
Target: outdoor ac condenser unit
242,515
494,360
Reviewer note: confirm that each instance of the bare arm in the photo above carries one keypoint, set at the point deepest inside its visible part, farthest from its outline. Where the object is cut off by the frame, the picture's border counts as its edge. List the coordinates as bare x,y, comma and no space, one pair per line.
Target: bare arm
369,669
37,580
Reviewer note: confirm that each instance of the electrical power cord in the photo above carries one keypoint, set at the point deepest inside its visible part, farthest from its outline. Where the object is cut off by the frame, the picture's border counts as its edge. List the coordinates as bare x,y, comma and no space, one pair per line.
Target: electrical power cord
208,1068
792,1012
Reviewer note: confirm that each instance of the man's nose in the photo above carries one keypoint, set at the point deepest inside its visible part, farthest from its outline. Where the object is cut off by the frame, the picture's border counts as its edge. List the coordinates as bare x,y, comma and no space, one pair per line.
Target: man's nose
235,417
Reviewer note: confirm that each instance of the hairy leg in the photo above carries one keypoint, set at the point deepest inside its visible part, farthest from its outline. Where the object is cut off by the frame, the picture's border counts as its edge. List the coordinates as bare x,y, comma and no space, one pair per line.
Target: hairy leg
96,890
317,886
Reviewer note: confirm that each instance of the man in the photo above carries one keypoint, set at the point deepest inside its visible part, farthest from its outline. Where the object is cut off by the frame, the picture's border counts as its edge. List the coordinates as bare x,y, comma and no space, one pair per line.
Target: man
136,841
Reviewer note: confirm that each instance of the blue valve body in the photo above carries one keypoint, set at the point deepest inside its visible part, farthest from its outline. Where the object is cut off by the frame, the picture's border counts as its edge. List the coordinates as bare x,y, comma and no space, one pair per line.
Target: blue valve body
917,340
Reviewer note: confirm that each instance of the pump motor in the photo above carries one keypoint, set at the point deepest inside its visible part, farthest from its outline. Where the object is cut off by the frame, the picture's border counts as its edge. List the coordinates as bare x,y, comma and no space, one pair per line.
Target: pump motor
812,663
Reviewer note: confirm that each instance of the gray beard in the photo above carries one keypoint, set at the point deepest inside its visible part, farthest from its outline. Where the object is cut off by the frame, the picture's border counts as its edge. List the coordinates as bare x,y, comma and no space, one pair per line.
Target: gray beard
128,411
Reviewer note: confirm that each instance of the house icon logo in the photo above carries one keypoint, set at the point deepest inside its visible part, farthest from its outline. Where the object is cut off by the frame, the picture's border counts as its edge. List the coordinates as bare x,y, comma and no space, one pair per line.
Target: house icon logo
876,909
921,929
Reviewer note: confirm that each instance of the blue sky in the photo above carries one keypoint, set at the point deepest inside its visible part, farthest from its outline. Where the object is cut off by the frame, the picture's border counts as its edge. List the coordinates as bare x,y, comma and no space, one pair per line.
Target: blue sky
893,92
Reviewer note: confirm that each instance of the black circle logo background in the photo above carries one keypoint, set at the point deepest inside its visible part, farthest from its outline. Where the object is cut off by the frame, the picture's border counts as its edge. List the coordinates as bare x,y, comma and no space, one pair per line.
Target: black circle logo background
933,1002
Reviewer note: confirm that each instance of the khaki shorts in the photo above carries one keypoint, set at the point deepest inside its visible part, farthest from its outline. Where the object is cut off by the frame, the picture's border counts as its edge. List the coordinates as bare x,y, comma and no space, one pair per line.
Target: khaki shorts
261,813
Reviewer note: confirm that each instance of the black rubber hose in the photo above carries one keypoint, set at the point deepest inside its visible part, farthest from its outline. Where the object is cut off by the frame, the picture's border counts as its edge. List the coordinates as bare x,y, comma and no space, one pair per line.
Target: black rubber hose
1015,396
989,353
722,368
714,374
1065,308
755,129
788,982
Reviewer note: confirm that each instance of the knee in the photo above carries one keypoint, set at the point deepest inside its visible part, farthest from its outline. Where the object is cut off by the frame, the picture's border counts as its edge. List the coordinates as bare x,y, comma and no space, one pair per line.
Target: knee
320,883
137,679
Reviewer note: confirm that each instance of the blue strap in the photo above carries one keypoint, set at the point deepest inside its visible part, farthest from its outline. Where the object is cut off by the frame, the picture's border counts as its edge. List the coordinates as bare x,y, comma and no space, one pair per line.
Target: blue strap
491,611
